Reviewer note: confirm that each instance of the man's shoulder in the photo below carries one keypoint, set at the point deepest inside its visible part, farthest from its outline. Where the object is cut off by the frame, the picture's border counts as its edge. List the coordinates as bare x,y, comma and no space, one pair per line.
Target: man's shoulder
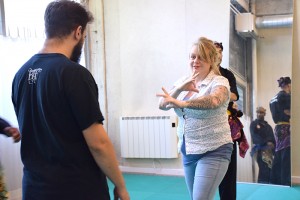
225,71
227,74
53,64
283,94
254,122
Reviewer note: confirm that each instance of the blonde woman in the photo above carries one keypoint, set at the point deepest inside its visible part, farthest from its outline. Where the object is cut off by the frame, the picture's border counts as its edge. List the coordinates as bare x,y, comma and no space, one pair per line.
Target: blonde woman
200,102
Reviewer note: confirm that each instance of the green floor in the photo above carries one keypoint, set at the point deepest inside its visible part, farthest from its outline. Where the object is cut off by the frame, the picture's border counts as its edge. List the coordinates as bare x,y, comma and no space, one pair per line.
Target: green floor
146,187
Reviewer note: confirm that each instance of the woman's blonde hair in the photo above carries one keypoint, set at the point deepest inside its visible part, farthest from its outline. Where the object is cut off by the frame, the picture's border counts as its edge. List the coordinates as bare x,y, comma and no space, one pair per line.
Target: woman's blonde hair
208,53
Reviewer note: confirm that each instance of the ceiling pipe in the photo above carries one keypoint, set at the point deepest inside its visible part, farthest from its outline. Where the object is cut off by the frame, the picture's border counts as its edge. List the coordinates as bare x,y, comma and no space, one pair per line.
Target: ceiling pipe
274,21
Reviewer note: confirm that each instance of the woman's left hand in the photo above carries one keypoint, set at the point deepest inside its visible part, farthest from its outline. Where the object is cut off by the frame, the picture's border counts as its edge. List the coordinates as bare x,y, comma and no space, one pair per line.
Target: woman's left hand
169,100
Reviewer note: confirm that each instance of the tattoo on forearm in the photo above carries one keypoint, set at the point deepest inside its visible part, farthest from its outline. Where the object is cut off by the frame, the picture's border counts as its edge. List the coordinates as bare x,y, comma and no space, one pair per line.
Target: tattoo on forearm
217,97
200,103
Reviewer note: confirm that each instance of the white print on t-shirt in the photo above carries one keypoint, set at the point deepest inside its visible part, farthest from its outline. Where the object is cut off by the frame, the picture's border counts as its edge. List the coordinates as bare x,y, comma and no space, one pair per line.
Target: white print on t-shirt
33,73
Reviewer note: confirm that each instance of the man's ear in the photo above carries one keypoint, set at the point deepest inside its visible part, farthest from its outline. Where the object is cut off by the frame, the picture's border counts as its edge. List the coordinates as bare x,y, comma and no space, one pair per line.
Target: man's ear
78,32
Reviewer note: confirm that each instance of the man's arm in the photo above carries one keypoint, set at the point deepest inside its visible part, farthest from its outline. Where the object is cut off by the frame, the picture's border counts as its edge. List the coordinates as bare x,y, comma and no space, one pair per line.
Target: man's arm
3,125
9,131
105,157
234,95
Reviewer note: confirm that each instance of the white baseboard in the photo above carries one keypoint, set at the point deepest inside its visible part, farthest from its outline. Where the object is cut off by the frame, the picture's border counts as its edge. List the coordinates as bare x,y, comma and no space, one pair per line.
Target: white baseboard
15,194
296,180
155,171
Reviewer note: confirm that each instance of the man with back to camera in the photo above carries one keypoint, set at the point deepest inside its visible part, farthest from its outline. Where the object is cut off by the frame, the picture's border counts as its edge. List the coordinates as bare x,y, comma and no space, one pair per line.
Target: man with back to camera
65,150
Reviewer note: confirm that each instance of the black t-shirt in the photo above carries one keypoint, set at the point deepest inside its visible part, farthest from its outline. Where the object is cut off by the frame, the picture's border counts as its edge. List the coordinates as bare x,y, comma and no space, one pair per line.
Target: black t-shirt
261,132
231,79
55,99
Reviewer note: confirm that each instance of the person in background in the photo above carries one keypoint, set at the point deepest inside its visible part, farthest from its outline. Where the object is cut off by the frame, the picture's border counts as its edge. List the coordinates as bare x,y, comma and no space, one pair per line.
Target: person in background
234,95
9,131
264,143
65,149
200,101
227,188
280,106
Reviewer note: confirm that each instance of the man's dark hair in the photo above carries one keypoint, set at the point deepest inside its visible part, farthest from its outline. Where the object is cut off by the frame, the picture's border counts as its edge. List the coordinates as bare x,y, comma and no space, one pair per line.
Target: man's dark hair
63,16
282,81
219,45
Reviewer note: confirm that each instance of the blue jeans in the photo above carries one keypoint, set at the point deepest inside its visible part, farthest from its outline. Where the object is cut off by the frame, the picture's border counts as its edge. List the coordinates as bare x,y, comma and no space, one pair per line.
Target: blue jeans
203,175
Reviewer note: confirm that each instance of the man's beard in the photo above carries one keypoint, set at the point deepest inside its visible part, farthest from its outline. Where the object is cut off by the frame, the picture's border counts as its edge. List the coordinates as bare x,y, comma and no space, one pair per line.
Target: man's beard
76,53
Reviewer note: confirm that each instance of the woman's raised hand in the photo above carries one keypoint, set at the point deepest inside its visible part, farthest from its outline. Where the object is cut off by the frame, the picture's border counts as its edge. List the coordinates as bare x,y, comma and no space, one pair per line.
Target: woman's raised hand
189,84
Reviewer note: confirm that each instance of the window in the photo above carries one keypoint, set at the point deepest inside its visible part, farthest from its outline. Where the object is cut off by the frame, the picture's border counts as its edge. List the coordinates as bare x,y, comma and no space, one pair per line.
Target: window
241,101
25,23
25,19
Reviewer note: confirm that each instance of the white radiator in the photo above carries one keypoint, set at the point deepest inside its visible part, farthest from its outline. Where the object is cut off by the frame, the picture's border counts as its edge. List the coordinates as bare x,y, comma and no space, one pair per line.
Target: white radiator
148,137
